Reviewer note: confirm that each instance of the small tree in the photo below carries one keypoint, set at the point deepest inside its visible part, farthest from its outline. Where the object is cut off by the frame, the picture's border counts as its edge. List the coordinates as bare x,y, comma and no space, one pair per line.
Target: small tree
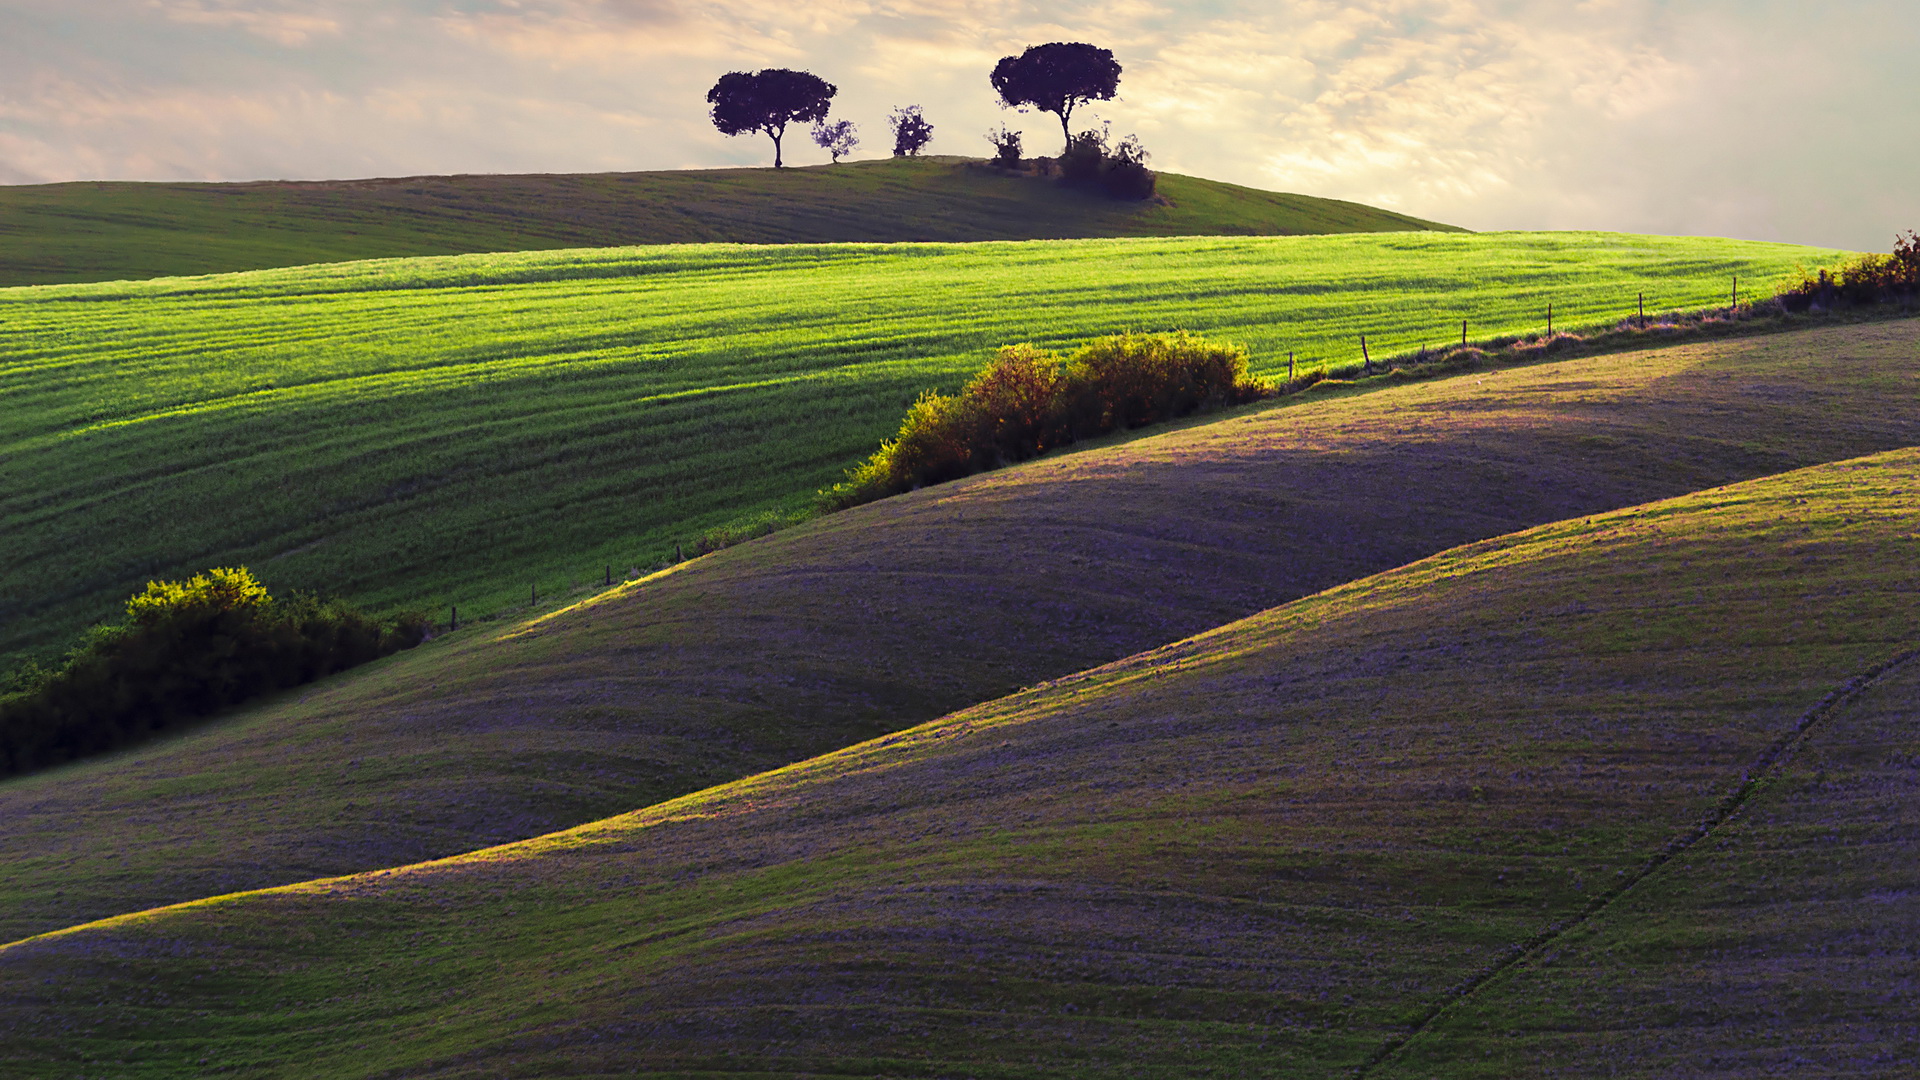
767,101
1055,78
838,138
911,132
1006,147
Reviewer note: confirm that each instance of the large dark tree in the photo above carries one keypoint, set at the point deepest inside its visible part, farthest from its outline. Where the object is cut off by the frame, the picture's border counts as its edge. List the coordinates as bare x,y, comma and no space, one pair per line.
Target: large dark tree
768,101
1056,77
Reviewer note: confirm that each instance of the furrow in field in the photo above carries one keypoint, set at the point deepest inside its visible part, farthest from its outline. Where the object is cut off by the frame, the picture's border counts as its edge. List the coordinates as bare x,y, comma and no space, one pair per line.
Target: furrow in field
897,612
1783,947
1471,994
1264,850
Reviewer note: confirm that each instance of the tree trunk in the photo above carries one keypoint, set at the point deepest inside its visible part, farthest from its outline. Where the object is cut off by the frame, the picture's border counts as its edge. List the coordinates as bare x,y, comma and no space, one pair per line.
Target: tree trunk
777,163
1065,114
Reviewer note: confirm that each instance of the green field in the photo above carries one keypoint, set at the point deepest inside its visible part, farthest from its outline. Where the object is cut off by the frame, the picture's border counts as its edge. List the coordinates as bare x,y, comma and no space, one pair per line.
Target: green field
113,231
894,613
459,430
1272,849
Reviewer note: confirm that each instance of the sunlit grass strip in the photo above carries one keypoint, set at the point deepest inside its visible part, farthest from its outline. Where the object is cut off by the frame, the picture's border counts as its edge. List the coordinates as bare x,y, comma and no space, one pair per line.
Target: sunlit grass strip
440,431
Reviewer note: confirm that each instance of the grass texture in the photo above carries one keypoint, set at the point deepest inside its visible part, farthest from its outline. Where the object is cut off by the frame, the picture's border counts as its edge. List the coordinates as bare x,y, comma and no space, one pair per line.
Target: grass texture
894,613
1267,850
460,431
112,231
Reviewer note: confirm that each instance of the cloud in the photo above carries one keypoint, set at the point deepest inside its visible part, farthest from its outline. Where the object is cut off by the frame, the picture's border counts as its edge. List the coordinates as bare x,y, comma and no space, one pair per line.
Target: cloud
289,28
1745,118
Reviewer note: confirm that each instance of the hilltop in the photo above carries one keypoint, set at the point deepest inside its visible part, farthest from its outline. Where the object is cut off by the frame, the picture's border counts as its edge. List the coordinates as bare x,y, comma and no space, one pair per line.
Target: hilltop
106,231
894,613
465,430
1278,848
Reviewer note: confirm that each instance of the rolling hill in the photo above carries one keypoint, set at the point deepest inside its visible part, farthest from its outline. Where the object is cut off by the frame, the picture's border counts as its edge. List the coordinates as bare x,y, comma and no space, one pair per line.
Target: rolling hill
112,231
1276,848
464,430
894,613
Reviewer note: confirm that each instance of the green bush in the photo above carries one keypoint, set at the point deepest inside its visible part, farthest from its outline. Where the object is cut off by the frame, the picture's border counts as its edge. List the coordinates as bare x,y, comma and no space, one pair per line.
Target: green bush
1027,401
1868,279
186,649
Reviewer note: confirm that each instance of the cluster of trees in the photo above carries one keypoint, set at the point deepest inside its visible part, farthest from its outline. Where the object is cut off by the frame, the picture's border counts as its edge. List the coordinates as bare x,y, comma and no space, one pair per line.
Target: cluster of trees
1057,78
186,649
1027,401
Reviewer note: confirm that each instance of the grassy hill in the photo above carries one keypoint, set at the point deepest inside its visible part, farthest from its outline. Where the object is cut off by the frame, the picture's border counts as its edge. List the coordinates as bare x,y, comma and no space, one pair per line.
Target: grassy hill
459,430
112,231
1273,849
900,611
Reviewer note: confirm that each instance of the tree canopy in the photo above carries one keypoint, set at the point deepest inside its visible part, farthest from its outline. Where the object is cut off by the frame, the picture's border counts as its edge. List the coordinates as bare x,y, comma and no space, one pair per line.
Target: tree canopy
911,131
767,101
1056,77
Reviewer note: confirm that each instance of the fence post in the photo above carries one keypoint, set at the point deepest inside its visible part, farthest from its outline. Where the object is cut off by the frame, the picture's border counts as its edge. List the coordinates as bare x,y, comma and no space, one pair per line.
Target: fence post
1289,365
1364,355
677,557
1549,320
1643,311
1736,290
1463,333
453,619
533,594
609,575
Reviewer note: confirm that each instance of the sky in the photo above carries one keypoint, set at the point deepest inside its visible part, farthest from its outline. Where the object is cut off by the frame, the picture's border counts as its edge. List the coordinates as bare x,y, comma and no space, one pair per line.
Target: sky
1764,120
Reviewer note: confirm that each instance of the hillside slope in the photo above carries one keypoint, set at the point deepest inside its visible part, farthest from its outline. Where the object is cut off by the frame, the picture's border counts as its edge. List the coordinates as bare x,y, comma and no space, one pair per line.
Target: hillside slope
897,612
443,432
1783,948
1268,850
113,231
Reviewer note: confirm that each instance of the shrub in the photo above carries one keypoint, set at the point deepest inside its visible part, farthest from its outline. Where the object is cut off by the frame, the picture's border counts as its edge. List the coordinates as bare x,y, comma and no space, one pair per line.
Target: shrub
1121,171
1867,279
1126,175
186,649
1081,161
1027,401
1006,147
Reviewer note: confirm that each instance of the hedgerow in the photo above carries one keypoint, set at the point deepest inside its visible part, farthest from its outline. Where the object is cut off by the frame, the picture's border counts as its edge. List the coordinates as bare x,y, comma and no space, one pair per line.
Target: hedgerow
185,650
1027,401
1872,278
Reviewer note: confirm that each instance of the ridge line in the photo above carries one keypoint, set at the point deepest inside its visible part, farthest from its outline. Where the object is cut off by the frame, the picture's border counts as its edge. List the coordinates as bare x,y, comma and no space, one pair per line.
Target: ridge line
1761,770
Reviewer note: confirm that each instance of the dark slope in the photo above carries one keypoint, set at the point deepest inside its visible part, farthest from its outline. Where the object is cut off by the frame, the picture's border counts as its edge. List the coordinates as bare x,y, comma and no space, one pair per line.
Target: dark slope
109,231
1783,948
898,612
1266,851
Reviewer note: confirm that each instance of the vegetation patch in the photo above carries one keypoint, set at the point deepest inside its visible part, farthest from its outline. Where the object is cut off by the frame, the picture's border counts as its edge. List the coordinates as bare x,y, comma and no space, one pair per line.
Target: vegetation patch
477,431
862,622
112,230
1263,851
1870,278
1027,401
187,649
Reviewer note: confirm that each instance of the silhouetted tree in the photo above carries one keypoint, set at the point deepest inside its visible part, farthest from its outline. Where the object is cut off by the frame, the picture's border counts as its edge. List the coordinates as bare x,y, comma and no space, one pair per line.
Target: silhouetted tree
911,132
1055,78
838,138
768,101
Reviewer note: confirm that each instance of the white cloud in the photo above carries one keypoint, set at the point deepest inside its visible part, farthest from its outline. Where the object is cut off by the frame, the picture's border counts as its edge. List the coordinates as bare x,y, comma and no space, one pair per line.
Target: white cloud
1706,116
